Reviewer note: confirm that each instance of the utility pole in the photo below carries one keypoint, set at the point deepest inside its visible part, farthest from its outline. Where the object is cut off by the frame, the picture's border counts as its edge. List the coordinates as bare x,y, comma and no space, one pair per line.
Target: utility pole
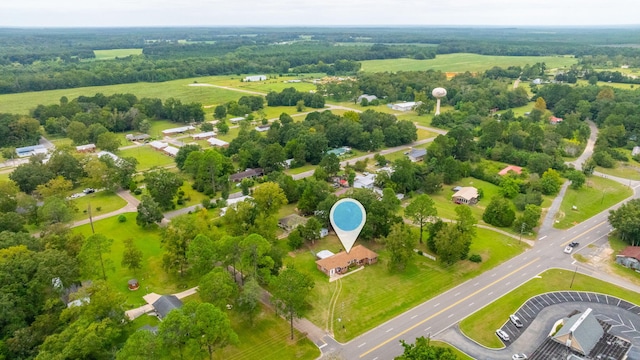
90,218
521,231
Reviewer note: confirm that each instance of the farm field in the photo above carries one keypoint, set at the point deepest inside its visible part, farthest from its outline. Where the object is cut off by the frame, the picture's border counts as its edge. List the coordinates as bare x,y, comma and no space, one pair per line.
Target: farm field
373,295
481,325
463,62
115,53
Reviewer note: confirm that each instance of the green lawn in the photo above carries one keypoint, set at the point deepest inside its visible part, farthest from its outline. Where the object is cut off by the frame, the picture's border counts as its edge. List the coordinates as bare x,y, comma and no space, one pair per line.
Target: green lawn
147,157
101,202
481,325
152,276
114,53
627,170
374,295
463,62
597,195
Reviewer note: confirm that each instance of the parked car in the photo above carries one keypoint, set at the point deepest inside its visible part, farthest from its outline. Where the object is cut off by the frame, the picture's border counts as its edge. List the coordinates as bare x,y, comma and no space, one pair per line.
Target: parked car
574,244
568,249
515,320
519,356
89,190
502,335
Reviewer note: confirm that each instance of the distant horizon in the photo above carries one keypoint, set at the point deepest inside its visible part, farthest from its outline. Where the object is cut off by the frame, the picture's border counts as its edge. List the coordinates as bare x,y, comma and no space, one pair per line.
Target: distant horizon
337,26
305,13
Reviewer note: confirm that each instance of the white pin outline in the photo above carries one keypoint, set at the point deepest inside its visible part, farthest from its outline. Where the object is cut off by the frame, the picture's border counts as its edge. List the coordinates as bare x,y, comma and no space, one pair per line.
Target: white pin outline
348,237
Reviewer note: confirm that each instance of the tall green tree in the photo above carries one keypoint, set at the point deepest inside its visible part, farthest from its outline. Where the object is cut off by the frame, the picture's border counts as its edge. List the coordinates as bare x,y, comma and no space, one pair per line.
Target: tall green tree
626,221
201,254
269,198
218,288
290,291
421,210
249,299
174,332
176,238
499,212
149,212
212,329
162,186
400,243
132,256
93,257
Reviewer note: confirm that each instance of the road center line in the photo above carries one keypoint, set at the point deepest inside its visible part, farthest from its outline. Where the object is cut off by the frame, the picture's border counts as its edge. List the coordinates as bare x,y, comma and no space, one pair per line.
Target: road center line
445,309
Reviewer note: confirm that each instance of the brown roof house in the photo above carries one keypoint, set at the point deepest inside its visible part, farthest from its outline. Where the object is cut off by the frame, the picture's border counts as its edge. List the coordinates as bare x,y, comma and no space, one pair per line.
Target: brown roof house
339,263
291,222
466,195
249,173
629,257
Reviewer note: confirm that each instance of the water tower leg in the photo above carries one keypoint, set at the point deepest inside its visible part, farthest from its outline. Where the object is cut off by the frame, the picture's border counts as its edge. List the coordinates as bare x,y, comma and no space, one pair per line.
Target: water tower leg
437,107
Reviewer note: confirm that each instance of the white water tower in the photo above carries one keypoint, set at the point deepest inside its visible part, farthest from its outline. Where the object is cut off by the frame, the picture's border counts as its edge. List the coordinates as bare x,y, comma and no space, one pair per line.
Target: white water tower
438,93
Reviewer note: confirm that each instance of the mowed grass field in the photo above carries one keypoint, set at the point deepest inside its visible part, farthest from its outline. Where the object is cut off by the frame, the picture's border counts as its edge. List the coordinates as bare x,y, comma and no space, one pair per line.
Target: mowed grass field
115,53
374,295
595,196
463,62
481,325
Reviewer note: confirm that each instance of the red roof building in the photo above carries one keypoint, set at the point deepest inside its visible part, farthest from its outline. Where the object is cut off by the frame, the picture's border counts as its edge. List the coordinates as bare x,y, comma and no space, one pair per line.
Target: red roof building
515,169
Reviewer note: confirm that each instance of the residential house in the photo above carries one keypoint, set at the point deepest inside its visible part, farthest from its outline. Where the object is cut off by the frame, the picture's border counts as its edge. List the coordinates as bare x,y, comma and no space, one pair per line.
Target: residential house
253,78
339,151
369,98
580,332
138,137
466,195
171,151
165,304
178,130
249,173
31,150
405,106
263,128
290,222
515,169
323,254
113,156
555,120
86,148
236,120
339,263
203,135
364,181
416,155
287,163
158,145
215,142
629,257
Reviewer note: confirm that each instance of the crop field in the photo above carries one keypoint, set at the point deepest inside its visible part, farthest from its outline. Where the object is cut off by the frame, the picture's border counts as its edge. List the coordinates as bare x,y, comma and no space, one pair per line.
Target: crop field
115,53
464,62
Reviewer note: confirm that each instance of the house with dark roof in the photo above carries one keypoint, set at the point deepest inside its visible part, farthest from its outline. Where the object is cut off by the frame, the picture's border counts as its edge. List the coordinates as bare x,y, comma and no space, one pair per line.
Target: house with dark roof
291,222
629,257
165,304
416,155
339,263
580,332
249,173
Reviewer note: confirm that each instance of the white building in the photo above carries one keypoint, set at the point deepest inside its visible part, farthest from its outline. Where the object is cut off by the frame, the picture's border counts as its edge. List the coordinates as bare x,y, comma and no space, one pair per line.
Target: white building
171,151
109,154
255,78
158,145
203,135
364,181
405,106
178,130
217,142
236,120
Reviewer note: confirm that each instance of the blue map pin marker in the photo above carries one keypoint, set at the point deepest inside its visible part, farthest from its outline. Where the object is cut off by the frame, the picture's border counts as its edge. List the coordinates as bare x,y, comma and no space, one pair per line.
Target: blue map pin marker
347,217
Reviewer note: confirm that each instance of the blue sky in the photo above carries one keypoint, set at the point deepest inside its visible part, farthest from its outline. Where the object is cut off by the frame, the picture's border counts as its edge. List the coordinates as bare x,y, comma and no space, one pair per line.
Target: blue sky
70,13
